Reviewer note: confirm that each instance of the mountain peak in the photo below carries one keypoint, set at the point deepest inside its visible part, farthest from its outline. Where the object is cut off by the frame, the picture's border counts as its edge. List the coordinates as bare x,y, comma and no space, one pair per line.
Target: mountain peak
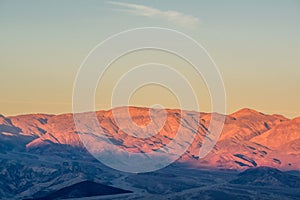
245,112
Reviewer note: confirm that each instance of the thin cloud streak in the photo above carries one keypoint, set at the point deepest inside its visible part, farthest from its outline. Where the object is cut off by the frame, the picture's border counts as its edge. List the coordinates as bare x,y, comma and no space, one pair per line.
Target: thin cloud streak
172,16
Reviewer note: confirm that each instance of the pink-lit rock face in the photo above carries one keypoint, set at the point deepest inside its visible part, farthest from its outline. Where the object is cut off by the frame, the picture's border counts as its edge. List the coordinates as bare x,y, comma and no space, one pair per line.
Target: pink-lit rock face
280,135
243,144
249,138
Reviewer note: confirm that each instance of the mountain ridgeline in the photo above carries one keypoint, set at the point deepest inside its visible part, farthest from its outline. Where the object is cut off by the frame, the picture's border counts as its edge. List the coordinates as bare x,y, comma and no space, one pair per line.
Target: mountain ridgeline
43,157
249,138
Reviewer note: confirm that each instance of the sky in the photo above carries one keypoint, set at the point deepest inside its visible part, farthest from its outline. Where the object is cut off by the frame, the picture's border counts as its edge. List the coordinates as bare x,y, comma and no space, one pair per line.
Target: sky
255,44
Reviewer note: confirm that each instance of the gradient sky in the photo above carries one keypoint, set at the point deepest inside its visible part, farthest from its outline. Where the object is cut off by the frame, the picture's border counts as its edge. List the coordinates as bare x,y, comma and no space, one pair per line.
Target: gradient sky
255,44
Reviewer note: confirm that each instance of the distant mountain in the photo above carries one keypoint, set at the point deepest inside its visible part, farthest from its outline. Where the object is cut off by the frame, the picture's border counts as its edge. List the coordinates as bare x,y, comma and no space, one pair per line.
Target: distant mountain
266,176
249,138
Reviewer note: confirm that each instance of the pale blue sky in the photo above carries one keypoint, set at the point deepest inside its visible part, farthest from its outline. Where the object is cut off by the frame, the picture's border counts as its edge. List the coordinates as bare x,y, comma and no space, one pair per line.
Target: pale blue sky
256,45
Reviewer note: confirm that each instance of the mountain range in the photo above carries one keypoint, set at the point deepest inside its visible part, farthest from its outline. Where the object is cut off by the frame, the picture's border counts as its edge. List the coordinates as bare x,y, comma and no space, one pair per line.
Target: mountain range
256,156
248,139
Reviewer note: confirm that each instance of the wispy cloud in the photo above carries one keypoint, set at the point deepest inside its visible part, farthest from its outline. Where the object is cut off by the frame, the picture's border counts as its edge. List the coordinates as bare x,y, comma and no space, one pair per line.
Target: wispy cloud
172,16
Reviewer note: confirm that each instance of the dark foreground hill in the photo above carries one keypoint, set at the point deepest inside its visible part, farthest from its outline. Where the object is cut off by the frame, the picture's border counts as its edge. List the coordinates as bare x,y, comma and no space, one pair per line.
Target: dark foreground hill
83,189
266,176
